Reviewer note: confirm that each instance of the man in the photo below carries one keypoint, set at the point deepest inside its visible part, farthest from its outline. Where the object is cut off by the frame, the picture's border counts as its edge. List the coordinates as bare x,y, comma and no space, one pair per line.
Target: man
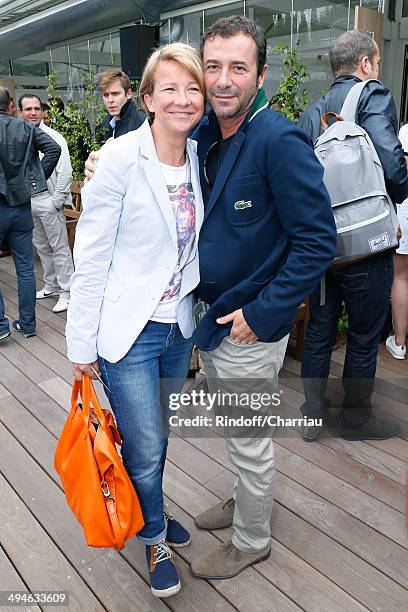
123,115
50,233
21,175
364,286
267,237
4,246
45,113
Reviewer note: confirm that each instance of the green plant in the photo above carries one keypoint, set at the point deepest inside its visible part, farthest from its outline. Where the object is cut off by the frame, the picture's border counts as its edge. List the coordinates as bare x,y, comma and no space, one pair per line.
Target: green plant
80,123
342,324
291,97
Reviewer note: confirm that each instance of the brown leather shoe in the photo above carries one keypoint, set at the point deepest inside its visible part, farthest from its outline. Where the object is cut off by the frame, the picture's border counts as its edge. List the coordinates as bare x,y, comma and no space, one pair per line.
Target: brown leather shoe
218,517
226,561
4,253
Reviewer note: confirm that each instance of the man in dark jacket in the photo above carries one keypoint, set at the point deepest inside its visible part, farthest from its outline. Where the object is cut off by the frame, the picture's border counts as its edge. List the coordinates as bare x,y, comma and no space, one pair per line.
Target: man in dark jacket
123,115
267,237
364,286
22,174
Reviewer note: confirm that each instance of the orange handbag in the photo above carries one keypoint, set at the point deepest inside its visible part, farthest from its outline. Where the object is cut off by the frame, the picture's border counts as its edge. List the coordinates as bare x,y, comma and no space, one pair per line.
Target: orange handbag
96,484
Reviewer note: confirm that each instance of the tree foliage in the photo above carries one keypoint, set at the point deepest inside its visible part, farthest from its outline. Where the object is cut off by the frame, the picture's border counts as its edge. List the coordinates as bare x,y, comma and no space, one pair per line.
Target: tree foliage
291,97
80,123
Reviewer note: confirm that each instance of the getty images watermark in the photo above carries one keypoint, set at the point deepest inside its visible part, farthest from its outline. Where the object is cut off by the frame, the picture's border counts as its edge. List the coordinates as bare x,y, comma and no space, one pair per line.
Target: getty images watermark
232,410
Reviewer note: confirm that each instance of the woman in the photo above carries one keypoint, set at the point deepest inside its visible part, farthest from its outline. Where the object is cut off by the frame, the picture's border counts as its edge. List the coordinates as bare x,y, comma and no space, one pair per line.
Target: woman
396,344
136,262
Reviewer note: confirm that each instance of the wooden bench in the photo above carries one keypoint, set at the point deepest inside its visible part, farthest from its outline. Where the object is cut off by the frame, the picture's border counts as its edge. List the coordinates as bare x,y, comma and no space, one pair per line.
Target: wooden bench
299,329
72,214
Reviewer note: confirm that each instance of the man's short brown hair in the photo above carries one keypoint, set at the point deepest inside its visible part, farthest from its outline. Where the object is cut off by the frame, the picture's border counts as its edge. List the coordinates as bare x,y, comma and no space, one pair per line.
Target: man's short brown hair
107,77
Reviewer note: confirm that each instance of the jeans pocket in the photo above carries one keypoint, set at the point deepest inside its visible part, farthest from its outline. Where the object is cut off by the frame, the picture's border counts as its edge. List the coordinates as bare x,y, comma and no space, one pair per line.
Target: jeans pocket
355,279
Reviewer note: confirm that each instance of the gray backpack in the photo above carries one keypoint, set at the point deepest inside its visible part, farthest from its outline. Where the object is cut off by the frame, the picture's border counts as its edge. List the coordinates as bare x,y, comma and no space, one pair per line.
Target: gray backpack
365,216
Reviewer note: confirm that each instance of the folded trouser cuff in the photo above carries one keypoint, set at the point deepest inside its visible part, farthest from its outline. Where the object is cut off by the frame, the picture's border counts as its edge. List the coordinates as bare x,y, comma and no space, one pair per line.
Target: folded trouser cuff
261,544
154,540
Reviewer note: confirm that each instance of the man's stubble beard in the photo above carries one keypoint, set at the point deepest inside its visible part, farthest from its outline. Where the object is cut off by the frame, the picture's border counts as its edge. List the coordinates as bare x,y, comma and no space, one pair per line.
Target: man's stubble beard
244,102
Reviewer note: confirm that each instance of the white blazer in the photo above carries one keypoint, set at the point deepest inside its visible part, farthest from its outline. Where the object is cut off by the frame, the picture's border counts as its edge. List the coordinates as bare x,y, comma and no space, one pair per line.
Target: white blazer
126,250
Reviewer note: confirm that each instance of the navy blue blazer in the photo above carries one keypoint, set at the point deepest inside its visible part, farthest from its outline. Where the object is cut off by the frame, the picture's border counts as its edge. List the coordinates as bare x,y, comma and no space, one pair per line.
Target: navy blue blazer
268,233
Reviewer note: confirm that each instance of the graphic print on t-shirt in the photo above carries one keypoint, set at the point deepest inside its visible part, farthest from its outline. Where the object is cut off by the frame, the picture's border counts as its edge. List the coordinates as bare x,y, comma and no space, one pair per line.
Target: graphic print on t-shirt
183,204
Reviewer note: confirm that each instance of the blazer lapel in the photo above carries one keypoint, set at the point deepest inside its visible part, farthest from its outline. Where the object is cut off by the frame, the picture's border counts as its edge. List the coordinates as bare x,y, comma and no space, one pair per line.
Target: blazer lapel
195,181
154,176
224,171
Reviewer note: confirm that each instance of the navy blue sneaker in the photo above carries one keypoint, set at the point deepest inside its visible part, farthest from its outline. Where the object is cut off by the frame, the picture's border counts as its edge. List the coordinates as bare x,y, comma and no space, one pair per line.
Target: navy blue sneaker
164,580
177,536
17,327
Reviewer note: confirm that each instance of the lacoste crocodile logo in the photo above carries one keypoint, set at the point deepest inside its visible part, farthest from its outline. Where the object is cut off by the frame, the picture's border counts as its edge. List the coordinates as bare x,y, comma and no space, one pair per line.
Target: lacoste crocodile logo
241,204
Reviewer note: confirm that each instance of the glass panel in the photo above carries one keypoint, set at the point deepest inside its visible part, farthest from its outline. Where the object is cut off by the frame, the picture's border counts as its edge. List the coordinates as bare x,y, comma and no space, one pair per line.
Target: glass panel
316,26
374,5
405,8
187,28
275,19
165,32
211,15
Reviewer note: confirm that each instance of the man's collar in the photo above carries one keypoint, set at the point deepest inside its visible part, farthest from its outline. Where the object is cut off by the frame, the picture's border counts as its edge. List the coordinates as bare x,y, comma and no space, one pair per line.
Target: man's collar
346,77
259,103
124,108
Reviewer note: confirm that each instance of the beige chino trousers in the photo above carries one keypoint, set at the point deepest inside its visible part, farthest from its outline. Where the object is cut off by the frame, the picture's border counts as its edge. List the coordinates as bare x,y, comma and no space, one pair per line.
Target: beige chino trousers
51,241
253,458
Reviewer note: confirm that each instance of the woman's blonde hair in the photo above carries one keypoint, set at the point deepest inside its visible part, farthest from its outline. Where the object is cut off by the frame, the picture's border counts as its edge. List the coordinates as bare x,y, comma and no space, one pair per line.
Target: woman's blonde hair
185,55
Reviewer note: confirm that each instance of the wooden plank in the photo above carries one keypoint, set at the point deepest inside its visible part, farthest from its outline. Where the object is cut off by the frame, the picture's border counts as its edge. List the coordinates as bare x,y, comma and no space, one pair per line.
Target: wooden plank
36,557
368,455
11,581
45,354
355,502
24,359
110,576
4,392
32,397
397,447
362,477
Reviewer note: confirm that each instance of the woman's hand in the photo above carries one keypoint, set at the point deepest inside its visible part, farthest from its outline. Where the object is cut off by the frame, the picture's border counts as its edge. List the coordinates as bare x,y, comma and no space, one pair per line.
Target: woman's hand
78,369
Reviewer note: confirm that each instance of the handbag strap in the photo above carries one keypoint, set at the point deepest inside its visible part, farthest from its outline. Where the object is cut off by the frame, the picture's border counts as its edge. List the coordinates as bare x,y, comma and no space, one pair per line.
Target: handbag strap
87,393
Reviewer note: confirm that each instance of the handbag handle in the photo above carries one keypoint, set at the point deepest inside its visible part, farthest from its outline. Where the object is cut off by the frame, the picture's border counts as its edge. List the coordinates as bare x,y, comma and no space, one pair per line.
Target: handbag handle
86,390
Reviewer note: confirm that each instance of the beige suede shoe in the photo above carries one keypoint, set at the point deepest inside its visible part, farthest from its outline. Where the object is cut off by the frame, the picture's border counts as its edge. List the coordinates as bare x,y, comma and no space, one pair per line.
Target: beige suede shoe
226,561
218,517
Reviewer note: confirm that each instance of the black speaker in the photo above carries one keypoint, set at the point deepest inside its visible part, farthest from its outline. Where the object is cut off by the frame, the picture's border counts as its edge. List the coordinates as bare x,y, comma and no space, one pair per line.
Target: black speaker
136,44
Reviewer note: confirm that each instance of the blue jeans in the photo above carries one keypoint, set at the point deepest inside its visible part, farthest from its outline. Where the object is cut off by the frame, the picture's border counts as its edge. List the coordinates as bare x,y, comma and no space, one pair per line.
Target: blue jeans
16,223
138,389
365,289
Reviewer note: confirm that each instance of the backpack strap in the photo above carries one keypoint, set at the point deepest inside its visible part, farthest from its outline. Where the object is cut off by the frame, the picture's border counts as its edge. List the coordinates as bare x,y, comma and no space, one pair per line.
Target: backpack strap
349,108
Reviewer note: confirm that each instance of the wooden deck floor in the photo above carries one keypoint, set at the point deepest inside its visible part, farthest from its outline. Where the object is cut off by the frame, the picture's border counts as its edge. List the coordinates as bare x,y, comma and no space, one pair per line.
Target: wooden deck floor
339,536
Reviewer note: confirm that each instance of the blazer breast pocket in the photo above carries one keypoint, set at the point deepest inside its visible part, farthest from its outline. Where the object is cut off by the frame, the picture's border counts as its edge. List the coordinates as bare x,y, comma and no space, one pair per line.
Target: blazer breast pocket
245,199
